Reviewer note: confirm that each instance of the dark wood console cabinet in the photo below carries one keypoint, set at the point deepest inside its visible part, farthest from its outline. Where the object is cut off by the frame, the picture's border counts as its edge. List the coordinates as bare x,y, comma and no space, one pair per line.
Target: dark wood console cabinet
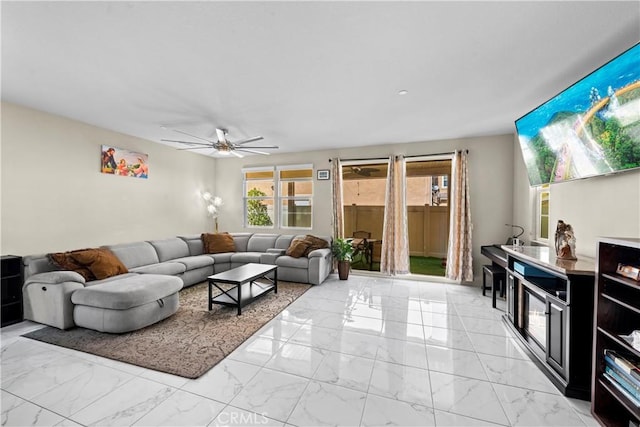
11,271
550,309
617,314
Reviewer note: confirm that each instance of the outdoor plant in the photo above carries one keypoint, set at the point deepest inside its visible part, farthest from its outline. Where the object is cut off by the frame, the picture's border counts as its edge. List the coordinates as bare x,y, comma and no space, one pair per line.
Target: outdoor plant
342,249
257,213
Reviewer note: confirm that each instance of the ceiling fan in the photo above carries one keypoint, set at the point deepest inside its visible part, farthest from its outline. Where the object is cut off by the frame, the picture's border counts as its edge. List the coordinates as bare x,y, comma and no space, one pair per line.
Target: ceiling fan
357,170
222,144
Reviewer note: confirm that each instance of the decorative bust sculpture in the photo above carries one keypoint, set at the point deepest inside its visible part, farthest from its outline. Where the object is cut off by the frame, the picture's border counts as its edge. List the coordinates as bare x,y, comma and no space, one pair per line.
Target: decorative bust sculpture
565,241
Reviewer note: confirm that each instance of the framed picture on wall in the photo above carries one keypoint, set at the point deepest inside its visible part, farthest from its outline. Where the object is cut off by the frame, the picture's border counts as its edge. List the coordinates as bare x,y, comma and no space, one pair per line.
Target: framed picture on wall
117,161
322,174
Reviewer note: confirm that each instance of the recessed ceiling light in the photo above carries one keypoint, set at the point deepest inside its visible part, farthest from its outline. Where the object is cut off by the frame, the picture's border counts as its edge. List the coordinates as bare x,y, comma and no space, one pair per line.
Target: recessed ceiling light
403,92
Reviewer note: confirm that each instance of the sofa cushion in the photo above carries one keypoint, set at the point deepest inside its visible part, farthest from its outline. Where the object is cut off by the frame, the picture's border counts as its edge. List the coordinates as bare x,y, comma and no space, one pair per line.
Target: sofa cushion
110,279
298,248
315,243
38,263
55,277
241,240
283,241
269,258
169,249
135,254
320,253
217,243
261,242
130,291
246,257
65,261
194,243
131,319
193,262
102,262
287,261
221,258
169,268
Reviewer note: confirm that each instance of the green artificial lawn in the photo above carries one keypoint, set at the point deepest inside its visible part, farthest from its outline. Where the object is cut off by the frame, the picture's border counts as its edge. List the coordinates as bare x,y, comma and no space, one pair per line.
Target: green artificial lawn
429,266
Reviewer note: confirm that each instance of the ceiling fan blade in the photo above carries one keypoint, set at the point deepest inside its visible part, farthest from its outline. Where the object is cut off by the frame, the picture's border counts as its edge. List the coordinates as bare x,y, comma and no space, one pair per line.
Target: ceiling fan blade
236,154
265,146
192,136
197,148
244,141
253,151
186,142
221,135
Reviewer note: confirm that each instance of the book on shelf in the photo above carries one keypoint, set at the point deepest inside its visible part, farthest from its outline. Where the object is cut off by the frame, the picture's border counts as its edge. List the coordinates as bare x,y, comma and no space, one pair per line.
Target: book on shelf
630,379
621,389
624,364
623,382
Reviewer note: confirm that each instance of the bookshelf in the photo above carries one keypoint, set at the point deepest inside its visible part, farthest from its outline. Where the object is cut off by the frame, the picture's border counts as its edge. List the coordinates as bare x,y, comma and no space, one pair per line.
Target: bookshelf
11,301
617,313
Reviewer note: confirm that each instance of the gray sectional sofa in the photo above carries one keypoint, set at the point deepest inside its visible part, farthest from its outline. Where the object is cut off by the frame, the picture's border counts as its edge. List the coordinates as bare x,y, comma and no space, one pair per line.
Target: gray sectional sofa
158,269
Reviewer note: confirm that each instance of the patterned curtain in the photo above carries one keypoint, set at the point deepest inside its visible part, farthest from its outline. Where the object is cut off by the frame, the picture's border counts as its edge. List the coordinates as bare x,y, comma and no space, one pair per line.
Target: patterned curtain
337,220
459,257
395,241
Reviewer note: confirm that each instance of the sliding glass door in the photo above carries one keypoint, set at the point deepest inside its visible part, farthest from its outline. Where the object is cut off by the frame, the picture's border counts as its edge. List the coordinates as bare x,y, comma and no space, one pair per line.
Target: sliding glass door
363,192
428,215
427,190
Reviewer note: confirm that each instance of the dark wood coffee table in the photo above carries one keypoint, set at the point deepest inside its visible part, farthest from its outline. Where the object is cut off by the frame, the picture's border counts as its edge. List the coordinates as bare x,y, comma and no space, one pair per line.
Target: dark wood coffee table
245,289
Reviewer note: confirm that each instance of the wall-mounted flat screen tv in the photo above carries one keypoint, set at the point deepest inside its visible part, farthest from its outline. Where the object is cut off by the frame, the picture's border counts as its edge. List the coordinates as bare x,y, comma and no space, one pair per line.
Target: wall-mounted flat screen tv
591,128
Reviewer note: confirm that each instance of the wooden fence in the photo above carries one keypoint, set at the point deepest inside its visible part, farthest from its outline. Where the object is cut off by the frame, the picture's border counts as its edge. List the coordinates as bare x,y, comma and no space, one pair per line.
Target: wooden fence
428,227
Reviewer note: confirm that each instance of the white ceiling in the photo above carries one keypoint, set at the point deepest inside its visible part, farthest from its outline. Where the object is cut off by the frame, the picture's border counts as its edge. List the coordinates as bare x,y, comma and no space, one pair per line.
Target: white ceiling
305,75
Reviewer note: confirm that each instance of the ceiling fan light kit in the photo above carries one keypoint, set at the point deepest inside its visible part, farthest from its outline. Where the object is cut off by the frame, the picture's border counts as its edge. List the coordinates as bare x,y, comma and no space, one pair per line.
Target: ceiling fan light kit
223,146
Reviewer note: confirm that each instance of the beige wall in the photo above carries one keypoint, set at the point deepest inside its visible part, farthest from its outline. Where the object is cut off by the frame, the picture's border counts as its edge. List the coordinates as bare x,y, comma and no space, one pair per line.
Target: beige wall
55,198
603,206
490,171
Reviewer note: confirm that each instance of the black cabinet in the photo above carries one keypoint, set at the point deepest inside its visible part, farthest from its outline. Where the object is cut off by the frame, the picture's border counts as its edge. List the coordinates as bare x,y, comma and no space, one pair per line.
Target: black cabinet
550,309
11,302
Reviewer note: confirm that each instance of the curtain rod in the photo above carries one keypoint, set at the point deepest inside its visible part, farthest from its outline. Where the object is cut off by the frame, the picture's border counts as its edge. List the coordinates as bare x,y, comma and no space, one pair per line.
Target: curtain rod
406,157
434,154
358,160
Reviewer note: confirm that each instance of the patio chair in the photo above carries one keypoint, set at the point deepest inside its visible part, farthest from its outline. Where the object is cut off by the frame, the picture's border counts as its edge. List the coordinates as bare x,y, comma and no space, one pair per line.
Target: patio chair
360,246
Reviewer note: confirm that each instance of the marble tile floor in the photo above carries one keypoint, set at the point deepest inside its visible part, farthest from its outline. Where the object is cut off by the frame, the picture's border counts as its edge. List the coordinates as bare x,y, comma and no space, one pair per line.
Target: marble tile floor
369,351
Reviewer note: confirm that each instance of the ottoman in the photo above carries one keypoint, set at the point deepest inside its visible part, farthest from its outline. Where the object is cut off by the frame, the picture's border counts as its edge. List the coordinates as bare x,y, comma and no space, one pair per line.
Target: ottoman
126,304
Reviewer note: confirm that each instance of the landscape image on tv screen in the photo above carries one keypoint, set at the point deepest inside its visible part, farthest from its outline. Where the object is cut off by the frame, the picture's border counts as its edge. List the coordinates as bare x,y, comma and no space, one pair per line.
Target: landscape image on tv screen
591,128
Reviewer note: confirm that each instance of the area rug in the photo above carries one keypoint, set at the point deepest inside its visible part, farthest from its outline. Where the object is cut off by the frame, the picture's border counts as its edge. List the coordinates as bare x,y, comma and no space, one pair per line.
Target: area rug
187,344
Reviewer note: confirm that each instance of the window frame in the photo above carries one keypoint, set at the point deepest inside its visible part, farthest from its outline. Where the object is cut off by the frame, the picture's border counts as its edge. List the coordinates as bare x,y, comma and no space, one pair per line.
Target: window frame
277,198
540,191
280,198
247,198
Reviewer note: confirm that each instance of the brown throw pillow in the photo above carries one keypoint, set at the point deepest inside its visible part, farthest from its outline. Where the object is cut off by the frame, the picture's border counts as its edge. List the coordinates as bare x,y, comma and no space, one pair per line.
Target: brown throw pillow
217,243
297,248
314,243
64,261
102,262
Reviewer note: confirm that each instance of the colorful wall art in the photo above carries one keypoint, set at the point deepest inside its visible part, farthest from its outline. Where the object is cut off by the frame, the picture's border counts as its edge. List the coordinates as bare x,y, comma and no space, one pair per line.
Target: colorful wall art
116,161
